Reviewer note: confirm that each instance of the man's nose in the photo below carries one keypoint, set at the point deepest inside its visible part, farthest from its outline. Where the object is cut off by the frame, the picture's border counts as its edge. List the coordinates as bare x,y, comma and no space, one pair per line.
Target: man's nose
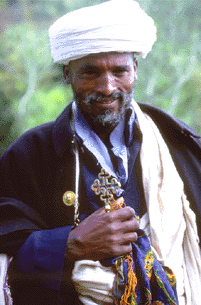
107,84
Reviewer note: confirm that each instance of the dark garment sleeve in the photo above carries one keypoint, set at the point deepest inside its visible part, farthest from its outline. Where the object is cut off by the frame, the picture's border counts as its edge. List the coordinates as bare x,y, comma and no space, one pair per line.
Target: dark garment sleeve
39,262
26,186
34,222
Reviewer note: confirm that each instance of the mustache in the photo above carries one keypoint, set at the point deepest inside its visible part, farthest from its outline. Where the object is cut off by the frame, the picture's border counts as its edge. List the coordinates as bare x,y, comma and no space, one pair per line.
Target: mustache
106,118
99,97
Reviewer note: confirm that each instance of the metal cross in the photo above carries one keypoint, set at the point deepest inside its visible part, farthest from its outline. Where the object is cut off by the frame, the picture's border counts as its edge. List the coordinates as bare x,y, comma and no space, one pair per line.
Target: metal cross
106,186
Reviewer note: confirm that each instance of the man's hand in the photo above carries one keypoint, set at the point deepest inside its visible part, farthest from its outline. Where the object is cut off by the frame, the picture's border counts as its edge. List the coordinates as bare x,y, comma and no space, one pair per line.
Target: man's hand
103,235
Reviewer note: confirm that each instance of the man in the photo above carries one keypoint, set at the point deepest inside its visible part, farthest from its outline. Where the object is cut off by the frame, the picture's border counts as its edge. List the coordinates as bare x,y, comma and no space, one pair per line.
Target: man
59,246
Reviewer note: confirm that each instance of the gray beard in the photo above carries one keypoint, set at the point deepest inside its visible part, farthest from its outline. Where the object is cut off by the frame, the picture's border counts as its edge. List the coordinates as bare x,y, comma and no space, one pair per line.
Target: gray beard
107,118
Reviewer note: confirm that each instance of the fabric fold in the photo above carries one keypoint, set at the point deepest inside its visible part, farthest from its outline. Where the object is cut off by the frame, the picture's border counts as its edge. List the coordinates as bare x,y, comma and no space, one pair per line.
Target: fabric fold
172,225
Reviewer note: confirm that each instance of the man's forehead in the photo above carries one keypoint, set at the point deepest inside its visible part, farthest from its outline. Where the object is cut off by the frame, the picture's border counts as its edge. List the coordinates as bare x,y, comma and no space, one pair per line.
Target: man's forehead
111,58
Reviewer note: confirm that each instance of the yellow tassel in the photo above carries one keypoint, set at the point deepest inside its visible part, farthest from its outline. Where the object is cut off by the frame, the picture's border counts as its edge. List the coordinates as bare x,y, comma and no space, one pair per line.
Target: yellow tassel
129,291
131,284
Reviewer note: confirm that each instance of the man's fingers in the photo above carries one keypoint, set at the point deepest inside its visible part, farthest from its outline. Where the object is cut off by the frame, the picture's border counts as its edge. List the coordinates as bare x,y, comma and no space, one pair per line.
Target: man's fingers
129,238
103,235
121,214
100,211
122,250
131,225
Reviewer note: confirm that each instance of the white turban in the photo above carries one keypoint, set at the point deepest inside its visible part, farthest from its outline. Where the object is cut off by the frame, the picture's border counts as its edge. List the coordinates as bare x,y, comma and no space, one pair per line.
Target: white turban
113,26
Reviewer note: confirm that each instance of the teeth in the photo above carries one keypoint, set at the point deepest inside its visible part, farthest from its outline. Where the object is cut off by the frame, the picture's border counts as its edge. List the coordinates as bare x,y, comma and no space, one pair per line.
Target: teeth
105,102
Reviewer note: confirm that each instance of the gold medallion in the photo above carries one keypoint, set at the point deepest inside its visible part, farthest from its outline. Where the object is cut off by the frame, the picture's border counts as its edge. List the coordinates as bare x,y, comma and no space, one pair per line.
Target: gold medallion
69,198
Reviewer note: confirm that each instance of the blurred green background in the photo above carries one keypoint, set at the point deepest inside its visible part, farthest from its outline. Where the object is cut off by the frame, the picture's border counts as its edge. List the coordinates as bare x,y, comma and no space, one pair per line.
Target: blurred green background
32,89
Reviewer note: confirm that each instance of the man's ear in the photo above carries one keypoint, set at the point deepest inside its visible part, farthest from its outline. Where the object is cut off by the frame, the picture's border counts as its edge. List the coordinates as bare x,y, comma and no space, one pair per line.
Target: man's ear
135,65
66,72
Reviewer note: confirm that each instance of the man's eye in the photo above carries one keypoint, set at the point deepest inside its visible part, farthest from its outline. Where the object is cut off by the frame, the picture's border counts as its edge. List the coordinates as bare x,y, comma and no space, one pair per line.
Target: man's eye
90,72
120,71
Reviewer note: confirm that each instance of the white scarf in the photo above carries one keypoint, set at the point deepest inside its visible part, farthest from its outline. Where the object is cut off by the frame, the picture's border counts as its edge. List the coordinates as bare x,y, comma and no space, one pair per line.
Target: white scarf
169,223
172,225
5,296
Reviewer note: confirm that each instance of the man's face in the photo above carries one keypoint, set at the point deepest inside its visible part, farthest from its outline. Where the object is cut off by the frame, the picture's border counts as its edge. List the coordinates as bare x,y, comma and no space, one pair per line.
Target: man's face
103,84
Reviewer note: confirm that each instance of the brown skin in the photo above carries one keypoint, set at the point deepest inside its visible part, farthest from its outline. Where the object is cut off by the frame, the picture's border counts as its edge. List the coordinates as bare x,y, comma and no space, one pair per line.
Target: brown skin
103,73
102,235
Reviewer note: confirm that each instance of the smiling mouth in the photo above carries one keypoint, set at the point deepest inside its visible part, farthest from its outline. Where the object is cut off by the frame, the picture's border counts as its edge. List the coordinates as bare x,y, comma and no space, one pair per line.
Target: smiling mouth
104,104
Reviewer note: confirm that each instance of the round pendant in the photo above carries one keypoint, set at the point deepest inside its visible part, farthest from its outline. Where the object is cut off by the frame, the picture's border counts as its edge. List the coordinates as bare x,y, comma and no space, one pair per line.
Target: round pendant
69,198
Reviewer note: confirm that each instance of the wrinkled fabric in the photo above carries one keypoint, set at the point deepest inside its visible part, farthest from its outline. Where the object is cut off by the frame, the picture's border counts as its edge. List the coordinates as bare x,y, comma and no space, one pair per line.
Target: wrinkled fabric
173,230
5,295
113,26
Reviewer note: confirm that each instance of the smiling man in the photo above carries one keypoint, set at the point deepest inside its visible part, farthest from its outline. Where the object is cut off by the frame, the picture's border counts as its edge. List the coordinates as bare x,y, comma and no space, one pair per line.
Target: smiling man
98,206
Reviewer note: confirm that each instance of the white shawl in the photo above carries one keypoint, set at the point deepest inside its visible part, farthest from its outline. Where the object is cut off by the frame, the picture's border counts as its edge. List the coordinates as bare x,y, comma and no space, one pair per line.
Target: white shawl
5,296
172,225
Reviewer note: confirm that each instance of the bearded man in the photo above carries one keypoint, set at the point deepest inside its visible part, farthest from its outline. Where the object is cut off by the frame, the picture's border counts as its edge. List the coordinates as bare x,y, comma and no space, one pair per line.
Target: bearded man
103,148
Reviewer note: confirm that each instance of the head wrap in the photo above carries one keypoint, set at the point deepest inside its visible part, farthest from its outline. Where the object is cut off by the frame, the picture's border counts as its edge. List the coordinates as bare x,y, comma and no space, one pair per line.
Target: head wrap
113,26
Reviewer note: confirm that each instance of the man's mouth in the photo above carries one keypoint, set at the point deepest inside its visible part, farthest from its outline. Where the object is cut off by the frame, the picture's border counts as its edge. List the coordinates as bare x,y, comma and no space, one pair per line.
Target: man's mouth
104,104
104,101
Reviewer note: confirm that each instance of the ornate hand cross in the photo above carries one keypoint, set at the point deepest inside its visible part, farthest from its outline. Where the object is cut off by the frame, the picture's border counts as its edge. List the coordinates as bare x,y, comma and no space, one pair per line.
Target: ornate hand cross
106,186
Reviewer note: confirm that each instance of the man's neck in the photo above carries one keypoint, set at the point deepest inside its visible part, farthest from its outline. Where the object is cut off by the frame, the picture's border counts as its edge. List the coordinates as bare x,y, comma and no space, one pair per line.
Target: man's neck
102,131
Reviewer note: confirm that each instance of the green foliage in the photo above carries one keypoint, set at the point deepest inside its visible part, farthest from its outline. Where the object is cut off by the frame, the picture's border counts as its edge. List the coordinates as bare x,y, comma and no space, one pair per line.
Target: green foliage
32,87
171,74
